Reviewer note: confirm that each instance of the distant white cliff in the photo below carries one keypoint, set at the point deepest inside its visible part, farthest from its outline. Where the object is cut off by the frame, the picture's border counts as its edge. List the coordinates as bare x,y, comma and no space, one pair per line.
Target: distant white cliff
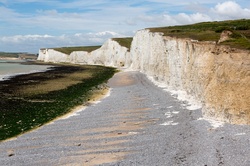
216,78
110,54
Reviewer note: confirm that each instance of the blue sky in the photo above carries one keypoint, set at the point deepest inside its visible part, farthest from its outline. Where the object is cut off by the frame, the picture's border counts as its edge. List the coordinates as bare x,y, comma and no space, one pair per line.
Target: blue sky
27,25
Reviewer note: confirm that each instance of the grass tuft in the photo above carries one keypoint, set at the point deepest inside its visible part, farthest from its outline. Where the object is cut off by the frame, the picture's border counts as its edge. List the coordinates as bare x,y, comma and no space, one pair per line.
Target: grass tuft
125,42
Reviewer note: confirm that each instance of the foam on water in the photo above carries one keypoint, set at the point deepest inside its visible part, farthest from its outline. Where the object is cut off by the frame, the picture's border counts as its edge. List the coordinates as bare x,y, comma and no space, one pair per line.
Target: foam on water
8,76
74,113
8,70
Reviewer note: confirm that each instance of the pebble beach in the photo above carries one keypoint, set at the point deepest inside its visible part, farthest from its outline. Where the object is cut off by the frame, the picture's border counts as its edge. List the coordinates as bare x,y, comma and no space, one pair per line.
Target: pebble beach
137,123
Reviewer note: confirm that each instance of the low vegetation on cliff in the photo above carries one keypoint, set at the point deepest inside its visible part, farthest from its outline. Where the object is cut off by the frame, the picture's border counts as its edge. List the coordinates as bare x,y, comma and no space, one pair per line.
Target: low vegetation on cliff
6,55
205,31
31,100
211,31
125,42
68,50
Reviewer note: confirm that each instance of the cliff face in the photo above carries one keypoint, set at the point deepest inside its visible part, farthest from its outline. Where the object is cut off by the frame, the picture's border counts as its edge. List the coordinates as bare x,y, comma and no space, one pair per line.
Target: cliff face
217,77
227,93
50,55
110,54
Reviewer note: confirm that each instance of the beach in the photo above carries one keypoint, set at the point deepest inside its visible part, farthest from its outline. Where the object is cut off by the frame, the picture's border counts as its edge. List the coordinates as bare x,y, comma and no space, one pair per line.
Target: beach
31,100
138,123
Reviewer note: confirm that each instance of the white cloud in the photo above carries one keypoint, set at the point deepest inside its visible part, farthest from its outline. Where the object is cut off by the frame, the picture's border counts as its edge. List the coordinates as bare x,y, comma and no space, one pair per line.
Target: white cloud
183,18
81,17
168,20
6,14
118,17
199,17
231,10
22,43
196,7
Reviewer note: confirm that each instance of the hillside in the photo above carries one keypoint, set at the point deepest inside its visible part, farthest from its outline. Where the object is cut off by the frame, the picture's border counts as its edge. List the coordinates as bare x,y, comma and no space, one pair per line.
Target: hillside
211,31
6,55
205,31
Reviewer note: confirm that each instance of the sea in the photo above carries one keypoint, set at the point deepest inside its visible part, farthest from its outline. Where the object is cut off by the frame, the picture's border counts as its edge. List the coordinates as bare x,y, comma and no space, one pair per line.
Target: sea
9,68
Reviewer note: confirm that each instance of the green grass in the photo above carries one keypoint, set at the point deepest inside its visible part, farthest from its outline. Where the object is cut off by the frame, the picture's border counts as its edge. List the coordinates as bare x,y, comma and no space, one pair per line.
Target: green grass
17,55
69,50
210,31
26,105
9,55
125,42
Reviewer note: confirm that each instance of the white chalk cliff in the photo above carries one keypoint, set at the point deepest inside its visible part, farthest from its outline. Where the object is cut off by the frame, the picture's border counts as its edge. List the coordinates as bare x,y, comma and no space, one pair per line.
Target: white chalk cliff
110,54
217,77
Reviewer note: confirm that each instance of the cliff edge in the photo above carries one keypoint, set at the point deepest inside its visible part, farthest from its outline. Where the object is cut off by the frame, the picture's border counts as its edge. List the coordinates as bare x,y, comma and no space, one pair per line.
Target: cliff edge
217,77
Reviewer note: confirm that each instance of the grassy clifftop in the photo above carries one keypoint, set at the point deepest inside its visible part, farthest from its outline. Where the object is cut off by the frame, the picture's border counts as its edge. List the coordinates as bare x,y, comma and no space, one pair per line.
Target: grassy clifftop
125,42
68,50
17,55
210,31
205,31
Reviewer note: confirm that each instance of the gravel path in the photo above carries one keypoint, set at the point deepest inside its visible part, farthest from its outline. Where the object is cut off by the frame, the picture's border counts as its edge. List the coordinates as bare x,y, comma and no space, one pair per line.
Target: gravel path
139,124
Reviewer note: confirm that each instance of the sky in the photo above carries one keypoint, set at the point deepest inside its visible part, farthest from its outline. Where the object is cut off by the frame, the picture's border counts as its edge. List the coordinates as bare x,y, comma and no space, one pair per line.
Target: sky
28,25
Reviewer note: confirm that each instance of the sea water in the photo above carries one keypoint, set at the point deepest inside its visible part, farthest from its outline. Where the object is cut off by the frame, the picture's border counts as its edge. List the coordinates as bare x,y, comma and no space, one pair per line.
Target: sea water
10,68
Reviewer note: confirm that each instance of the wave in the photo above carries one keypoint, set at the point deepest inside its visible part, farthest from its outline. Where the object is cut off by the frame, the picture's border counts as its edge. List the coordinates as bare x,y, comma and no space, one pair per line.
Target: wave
9,76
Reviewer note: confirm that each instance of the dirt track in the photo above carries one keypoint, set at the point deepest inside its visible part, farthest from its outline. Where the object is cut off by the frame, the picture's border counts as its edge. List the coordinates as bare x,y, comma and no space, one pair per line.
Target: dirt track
138,124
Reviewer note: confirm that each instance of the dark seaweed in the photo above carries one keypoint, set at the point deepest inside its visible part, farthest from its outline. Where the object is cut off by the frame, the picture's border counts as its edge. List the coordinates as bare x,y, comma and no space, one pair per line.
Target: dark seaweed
19,113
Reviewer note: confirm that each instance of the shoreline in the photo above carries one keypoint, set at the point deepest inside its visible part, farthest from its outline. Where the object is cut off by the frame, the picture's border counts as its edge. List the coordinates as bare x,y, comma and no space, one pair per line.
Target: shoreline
43,97
96,97
8,76
8,58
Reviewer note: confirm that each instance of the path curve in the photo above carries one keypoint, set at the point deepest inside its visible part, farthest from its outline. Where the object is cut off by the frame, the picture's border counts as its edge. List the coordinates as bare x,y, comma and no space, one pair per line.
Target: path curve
138,124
